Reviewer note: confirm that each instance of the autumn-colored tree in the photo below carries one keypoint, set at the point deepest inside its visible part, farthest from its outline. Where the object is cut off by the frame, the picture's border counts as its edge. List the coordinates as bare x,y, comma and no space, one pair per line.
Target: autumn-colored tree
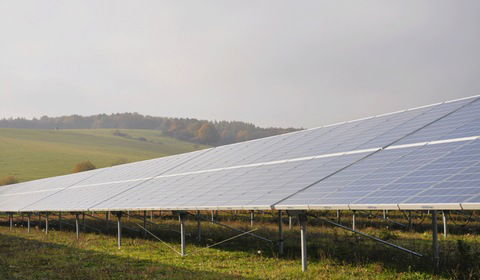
242,135
83,166
208,134
8,180
179,128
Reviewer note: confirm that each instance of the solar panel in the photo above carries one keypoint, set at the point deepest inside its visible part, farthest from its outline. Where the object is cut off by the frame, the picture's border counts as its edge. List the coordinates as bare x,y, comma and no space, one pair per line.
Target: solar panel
13,197
384,161
105,184
402,178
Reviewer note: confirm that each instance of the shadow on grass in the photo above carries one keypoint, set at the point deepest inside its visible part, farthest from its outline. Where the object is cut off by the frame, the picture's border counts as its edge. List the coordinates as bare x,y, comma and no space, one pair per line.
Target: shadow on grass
22,258
457,260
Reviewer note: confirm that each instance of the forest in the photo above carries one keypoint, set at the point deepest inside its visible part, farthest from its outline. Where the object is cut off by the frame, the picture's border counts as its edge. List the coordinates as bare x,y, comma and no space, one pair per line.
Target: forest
214,133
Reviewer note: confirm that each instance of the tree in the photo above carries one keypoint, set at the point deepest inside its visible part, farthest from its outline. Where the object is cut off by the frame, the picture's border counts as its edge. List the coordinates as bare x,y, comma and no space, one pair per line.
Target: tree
8,180
83,166
208,134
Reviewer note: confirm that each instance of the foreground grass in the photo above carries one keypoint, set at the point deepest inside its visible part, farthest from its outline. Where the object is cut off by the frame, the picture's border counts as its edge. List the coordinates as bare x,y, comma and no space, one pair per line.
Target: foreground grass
33,154
333,254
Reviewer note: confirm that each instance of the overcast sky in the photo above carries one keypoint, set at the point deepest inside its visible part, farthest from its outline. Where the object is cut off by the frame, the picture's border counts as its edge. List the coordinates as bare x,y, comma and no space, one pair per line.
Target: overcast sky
273,63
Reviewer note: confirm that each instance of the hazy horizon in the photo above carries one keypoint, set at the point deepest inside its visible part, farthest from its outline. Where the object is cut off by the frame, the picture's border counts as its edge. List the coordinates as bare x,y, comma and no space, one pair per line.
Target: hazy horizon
270,63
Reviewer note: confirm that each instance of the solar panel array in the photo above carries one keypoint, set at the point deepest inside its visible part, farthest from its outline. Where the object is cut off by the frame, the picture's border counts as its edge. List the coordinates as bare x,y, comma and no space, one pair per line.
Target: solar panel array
427,157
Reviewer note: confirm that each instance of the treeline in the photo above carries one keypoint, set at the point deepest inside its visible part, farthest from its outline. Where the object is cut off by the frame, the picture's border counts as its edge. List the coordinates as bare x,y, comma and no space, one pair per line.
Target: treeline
197,131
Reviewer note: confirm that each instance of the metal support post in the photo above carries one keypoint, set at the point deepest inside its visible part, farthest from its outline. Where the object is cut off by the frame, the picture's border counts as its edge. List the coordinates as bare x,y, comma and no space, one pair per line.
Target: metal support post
338,216
280,233
289,222
46,223
199,228
60,220
144,223
83,222
353,219
213,216
252,216
119,229
384,214
181,216
28,222
445,230
77,226
10,217
107,220
303,235
410,220
436,245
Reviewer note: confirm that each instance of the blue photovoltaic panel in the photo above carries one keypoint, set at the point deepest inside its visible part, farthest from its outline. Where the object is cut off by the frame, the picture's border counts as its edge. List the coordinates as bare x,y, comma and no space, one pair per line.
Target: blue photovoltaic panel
418,175
461,123
351,163
243,187
107,183
14,197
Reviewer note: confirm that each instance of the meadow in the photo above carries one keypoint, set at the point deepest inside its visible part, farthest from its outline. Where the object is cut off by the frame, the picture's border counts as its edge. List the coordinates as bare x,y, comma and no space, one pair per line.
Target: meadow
32,154
333,253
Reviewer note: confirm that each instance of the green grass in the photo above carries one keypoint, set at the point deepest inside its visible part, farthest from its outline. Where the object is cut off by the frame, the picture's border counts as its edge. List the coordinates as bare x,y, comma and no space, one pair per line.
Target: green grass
33,154
333,253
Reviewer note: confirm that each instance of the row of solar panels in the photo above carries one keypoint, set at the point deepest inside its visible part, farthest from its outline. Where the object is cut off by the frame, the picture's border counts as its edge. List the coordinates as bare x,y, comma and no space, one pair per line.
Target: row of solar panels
427,157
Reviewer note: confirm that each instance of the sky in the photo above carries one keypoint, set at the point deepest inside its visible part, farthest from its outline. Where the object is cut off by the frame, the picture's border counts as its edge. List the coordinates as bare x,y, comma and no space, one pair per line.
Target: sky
271,63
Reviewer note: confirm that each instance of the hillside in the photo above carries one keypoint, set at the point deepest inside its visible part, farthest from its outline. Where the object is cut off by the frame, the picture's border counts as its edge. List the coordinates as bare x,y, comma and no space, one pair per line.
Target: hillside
214,133
31,154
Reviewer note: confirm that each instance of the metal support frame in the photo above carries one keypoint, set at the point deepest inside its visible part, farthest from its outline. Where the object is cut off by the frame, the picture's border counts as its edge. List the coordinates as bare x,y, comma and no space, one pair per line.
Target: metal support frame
386,218
60,220
77,226
46,223
302,218
444,220
289,222
436,245
353,219
252,217
156,237
338,216
119,229
181,218
107,220
280,233
409,219
28,222
10,218
369,236
144,223
238,230
199,227
83,222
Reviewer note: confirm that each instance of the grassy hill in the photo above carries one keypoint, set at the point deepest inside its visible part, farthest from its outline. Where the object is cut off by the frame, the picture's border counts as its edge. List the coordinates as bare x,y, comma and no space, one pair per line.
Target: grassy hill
32,154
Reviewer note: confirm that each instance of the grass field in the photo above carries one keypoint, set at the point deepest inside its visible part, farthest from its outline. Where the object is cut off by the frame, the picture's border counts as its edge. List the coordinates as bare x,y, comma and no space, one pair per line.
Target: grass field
333,253
33,154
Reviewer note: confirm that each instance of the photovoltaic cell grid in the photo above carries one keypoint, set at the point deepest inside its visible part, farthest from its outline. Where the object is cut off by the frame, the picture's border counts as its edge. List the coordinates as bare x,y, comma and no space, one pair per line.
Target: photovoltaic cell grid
311,168
401,178
107,183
